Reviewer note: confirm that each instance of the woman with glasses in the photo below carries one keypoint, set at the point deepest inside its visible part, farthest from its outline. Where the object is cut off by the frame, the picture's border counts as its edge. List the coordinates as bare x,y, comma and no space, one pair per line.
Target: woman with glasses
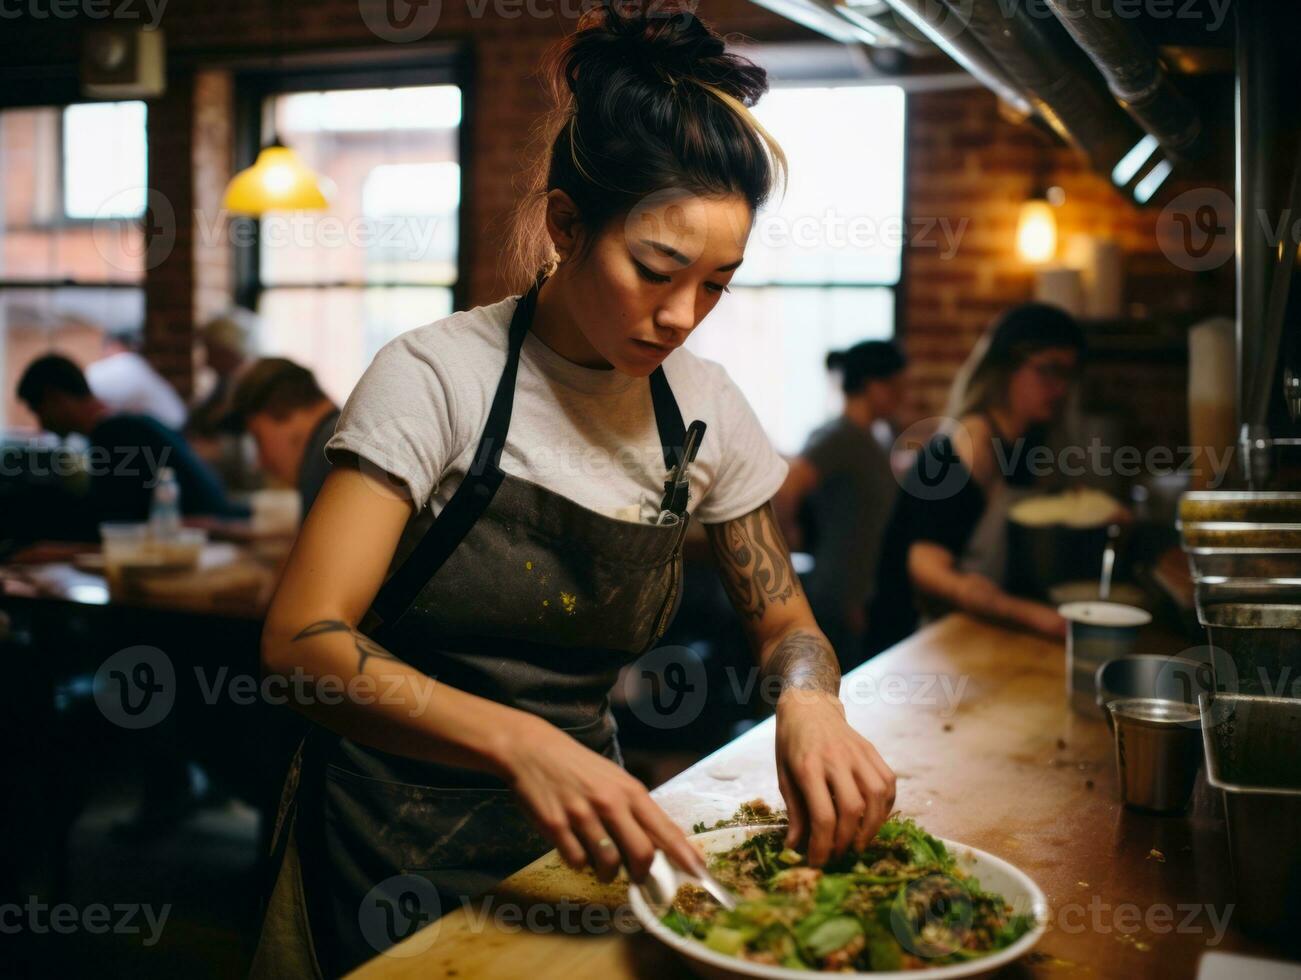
946,544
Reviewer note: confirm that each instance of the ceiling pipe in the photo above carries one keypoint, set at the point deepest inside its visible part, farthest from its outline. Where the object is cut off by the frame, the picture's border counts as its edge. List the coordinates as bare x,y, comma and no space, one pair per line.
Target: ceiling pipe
949,34
1133,73
1040,58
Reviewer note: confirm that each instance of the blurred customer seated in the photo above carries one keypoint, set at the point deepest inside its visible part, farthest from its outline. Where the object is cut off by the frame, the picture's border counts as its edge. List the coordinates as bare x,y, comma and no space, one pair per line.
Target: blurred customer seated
127,384
224,349
291,419
126,452
839,492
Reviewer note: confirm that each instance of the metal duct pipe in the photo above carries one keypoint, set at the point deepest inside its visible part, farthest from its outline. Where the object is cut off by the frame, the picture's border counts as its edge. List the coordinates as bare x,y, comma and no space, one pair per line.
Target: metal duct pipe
1041,59
1134,74
950,36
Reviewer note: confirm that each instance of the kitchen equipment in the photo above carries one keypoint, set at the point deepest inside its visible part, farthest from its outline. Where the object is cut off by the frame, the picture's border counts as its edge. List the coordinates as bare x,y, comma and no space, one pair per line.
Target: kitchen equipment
1149,676
1252,755
1157,752
1053,538
1261,643
1098,632
677,486
664,879
1108,562
1086,590
994,874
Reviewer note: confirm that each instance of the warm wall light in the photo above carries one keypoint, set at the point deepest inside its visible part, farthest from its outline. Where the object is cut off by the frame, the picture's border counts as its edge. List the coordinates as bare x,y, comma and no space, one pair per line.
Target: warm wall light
1036,231
277,181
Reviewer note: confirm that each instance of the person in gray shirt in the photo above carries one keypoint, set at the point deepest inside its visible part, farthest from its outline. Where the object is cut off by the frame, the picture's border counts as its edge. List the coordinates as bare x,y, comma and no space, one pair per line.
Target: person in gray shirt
291,419
838,494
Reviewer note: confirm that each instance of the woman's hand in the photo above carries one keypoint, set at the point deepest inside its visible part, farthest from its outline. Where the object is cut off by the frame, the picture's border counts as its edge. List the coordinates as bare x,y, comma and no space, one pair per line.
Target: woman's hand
591,809
838,790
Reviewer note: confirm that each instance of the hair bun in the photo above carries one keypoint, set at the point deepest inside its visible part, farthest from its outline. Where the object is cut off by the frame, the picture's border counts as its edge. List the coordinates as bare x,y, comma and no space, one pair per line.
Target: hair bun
664,43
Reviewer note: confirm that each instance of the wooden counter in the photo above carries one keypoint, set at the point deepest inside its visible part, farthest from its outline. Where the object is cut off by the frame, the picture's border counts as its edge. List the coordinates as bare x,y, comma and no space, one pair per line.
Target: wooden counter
974,720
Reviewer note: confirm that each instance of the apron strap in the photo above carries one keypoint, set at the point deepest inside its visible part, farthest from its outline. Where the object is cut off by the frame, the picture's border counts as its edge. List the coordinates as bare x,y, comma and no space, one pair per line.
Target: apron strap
480,485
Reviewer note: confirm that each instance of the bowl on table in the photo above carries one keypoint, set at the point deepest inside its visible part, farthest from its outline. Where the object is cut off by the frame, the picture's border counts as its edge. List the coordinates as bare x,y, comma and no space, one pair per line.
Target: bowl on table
995,876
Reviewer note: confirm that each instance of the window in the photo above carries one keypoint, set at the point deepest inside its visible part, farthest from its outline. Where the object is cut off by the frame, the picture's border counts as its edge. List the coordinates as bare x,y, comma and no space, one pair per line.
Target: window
335,286
823,262
71,242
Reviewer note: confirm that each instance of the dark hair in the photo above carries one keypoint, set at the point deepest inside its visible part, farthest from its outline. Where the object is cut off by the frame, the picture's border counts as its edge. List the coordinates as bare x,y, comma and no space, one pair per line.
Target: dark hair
1020,332
53,372
274,385
871,360
646,99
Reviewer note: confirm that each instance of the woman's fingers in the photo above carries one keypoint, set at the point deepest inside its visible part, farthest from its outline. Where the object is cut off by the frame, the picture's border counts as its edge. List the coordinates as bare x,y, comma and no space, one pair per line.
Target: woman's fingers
667,836
821,813
602,850
635,846
851,808
796,819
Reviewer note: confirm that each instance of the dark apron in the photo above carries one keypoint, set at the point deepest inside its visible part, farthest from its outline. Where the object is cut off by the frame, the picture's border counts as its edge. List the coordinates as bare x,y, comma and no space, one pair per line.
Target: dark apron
516,594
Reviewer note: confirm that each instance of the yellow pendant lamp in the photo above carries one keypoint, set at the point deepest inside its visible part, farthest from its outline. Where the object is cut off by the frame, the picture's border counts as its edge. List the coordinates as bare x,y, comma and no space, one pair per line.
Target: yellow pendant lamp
277,181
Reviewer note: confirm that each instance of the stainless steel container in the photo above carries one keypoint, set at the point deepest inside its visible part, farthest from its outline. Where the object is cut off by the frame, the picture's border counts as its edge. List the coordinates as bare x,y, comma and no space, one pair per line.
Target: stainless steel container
1150,676
1097,632
1157,752
1238,534
1258,647
1253,754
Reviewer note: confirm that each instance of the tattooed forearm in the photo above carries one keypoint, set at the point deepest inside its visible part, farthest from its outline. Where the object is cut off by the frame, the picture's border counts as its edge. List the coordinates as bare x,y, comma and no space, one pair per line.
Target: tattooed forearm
804,661
366,647
754,561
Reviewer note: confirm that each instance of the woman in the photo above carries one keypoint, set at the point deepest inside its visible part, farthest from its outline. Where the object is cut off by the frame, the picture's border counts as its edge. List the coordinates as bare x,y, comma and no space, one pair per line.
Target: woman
541,430
842,486
946,543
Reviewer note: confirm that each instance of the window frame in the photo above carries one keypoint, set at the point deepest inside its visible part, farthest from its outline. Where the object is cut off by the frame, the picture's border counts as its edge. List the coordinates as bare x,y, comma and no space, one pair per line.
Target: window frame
452,66
65,220
899,288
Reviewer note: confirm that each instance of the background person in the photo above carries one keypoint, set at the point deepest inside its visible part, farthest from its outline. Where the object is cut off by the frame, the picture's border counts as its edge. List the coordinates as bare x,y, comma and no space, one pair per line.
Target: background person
946,542
290,419
126,450
840,491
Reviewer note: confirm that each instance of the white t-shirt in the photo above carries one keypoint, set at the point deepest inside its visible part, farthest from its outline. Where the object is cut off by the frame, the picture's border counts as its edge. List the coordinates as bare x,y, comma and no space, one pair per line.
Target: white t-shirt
588,434
126,382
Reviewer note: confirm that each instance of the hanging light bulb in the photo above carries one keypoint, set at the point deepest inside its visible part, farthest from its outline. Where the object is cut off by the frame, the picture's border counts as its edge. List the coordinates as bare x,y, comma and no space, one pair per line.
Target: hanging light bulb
277,181
1036,230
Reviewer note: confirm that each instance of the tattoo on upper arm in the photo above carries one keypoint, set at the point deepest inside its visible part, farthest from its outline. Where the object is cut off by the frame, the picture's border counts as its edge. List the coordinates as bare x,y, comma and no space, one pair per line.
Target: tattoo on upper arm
806,662
755,563
366,647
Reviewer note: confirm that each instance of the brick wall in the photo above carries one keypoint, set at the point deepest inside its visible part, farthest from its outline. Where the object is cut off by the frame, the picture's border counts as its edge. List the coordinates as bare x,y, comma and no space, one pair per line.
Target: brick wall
964,162
967,163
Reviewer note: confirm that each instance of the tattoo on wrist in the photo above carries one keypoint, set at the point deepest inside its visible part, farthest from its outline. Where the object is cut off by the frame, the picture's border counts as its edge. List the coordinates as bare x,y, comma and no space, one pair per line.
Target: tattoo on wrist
366,647
805,662
755,564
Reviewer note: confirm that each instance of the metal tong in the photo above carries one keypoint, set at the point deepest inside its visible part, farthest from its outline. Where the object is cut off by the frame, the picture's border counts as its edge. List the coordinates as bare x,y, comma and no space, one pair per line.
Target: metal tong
677,487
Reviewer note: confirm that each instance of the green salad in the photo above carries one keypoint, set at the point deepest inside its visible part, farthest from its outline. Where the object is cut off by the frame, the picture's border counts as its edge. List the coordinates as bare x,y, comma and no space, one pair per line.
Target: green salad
901,904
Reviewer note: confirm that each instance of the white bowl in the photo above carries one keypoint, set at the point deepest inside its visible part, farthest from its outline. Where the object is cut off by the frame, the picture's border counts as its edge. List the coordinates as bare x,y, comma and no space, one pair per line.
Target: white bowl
995,874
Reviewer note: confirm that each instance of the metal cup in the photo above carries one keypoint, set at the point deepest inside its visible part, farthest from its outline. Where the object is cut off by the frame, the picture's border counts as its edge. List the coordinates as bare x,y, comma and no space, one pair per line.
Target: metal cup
1098,632
1158,752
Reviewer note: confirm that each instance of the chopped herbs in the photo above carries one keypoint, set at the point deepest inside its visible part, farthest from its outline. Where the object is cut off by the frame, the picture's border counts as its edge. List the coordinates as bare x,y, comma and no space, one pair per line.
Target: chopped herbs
901,903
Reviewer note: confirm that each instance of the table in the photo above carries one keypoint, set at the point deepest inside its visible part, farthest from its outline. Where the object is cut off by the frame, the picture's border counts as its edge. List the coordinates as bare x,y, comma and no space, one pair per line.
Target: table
973,718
